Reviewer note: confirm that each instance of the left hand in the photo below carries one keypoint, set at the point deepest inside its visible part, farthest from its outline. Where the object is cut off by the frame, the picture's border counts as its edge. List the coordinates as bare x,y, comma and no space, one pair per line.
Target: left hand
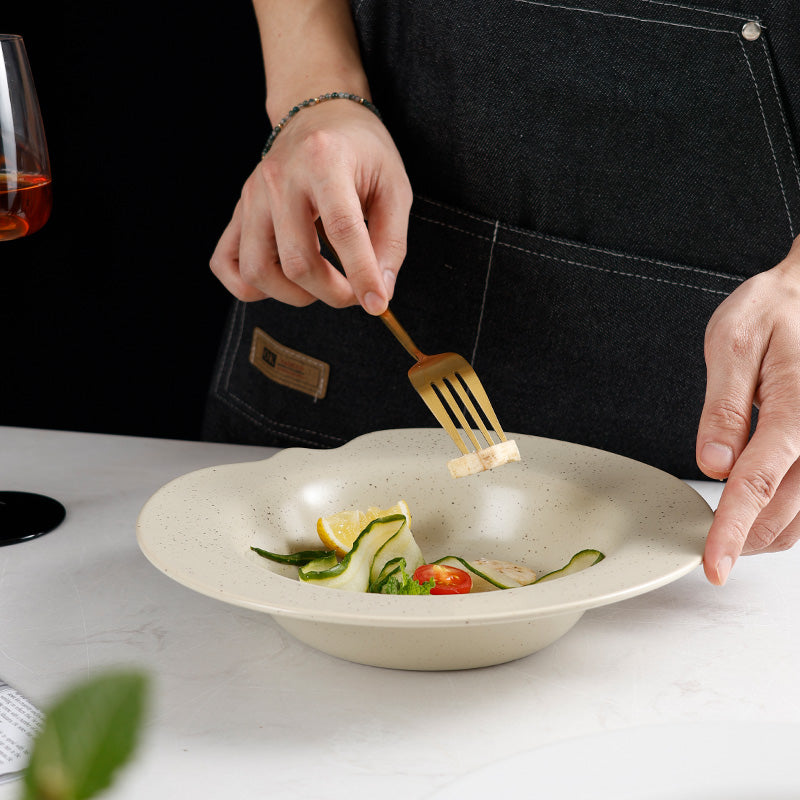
752,351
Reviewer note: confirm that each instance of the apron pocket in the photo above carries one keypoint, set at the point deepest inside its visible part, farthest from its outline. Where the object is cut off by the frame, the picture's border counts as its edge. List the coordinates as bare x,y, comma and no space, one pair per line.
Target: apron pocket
604,348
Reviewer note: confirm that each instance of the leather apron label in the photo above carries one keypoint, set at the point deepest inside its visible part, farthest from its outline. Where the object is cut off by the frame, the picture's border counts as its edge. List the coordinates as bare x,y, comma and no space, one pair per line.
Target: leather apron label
288,367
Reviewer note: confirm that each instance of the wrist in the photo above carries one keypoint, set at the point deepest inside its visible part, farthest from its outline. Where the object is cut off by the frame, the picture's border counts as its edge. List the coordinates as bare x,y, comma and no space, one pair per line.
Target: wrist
309,48
283,98
315,101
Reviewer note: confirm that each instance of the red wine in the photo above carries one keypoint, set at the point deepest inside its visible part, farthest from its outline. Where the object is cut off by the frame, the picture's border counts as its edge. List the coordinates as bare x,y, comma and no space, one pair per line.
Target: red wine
25,203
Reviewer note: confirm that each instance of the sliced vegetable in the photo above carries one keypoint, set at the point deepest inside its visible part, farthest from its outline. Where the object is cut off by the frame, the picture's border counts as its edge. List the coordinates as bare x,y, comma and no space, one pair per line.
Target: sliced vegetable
401,545
295,559
390,568
385,558
325,562
503,572
491,574
352,573
447,579
405,584
578,562
395,580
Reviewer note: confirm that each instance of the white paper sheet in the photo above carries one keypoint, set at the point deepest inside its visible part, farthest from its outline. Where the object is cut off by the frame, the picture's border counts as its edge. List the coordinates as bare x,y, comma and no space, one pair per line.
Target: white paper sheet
20,721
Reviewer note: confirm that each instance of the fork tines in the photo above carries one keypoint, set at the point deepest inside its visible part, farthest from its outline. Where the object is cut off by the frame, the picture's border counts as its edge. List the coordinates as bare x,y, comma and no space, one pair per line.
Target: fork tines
452,398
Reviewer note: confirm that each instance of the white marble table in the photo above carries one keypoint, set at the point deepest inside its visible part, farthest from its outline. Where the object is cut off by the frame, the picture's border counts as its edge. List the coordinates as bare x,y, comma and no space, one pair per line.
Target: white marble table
241,710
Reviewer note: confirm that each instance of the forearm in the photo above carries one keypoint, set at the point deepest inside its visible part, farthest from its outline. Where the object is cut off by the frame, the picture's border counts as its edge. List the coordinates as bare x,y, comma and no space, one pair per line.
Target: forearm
309,48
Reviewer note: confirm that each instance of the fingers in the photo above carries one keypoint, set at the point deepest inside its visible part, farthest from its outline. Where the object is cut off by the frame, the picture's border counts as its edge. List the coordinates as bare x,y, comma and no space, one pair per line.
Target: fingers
263,255
752,346
338,165
371,253
733,371
343,220
225,262
762,495
752,484
296,274
388,227
777,527
246,260
788,538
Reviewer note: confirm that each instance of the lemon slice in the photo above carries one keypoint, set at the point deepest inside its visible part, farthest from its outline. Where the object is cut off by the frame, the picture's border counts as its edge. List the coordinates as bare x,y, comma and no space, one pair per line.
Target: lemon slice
400,507
338,531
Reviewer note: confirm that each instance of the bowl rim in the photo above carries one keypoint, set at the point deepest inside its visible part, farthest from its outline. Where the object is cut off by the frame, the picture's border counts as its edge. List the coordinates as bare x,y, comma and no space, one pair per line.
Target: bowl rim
170,519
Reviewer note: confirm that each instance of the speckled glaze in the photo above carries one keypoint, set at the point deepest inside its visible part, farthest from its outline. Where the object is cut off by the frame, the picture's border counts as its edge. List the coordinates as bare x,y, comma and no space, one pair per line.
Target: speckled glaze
559,499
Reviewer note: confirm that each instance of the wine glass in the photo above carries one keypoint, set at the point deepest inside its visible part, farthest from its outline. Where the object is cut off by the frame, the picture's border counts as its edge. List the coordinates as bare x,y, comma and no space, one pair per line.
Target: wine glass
26,195
25,201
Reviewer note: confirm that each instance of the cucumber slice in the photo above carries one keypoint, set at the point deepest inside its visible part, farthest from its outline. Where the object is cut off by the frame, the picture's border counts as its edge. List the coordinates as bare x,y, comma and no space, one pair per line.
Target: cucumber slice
488,575
390,568
580,561
324,562
352,573
295,559
401,545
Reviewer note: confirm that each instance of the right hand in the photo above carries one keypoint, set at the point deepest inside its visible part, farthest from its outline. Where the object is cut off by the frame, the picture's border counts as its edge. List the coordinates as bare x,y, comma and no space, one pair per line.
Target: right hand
337,162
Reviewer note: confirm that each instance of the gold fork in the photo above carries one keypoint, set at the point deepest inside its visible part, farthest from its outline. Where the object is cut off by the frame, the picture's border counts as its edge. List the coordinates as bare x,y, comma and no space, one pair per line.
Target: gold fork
432,376
435,377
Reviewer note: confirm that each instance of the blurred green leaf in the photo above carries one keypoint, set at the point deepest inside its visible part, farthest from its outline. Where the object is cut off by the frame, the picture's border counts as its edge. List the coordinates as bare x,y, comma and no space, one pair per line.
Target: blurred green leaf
88,734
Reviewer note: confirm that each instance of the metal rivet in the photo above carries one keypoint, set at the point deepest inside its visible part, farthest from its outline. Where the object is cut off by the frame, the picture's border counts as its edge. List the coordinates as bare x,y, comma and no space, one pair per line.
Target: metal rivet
751,31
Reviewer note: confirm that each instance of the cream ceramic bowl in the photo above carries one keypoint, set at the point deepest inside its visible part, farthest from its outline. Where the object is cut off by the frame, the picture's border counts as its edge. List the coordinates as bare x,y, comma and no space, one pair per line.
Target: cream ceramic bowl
559,499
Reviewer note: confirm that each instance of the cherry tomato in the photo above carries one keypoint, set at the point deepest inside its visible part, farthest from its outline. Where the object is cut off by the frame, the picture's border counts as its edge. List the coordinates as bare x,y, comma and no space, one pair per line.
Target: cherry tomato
449,580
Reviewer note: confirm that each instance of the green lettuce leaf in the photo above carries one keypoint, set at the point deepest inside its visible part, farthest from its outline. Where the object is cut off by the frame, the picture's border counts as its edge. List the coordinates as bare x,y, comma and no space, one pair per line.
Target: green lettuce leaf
402,583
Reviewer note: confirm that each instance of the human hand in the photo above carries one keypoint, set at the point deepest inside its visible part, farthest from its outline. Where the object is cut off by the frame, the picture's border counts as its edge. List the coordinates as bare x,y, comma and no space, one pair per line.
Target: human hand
337,162
752,349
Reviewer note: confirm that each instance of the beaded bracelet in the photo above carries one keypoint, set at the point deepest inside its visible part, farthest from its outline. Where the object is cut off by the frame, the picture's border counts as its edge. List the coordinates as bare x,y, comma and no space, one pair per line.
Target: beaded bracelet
313,101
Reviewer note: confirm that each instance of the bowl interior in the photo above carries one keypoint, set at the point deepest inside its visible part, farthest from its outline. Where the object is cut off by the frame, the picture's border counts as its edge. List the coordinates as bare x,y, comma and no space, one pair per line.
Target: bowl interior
561,498
519,513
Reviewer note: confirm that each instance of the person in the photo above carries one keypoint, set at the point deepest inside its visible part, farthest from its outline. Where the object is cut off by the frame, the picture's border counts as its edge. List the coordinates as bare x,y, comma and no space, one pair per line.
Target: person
597,202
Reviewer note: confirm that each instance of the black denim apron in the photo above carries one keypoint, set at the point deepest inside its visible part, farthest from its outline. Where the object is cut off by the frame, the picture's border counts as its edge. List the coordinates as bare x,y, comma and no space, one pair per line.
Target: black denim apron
592,178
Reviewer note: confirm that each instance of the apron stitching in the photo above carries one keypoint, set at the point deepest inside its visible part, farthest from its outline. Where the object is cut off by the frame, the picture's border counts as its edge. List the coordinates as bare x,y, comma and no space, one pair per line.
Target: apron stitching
629,256
485,290
780,108
224,360
255,415
769,138
452,227
615,271
456,210
654,2
578,245
699,10
230,352
273,429
626,16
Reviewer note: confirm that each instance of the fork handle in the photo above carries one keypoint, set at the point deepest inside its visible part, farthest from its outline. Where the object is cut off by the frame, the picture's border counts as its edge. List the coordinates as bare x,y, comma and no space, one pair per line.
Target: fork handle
400,334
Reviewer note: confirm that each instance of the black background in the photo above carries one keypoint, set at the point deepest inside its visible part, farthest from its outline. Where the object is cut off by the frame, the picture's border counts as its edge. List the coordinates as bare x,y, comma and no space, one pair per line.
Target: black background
154,113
